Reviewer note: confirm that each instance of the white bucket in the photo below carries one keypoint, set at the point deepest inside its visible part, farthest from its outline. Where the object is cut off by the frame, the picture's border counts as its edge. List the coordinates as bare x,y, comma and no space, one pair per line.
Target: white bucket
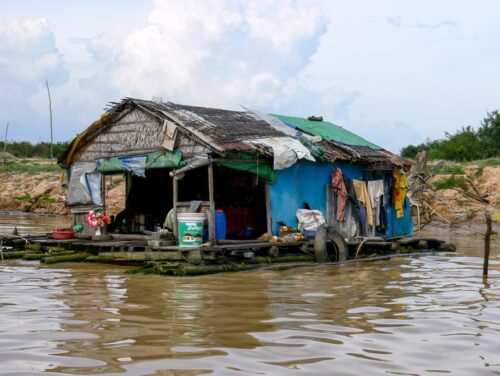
190,229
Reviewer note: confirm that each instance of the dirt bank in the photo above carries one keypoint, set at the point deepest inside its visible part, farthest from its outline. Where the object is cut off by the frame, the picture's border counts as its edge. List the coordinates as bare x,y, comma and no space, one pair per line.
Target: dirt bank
35,186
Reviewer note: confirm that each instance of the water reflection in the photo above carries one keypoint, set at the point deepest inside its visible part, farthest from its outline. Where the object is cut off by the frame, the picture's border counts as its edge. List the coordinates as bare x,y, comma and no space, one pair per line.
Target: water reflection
419,316
29,223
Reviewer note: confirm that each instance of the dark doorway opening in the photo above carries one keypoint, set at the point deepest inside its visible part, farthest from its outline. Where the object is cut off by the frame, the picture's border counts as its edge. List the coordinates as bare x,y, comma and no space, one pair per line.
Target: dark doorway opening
149,200
241,195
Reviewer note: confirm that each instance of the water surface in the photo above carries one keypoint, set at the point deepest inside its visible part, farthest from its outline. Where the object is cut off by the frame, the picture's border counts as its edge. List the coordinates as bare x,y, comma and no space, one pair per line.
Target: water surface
409,316
31,223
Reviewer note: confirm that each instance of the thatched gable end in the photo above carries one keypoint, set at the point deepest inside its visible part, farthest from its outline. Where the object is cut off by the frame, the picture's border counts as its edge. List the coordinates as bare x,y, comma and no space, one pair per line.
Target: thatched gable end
136,132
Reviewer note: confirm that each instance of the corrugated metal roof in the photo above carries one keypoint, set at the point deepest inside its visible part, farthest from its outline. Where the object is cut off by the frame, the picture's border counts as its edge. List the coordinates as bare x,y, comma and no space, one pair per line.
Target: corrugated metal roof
328,131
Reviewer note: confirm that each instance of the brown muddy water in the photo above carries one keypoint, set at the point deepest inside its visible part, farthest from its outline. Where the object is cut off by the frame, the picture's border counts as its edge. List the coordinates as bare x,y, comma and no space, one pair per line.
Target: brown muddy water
30,223
425,315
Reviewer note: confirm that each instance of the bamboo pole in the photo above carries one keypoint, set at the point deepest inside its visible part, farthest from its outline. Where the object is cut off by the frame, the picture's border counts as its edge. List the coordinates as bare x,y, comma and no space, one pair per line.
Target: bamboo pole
50,112
487,237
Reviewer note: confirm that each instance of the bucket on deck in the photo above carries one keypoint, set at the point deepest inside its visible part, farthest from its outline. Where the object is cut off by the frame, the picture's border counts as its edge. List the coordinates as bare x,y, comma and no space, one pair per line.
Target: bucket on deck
190,229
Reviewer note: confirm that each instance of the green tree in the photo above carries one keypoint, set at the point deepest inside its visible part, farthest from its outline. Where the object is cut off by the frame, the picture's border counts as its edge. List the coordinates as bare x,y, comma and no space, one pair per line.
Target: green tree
24,149
411,151
464,145
489,134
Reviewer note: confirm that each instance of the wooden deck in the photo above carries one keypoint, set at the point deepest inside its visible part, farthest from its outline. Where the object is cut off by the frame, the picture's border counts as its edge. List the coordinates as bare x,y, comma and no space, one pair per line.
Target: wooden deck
165,258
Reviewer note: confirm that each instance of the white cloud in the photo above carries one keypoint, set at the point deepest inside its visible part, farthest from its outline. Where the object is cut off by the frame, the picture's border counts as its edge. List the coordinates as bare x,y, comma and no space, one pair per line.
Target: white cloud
221,53
28,54
28,57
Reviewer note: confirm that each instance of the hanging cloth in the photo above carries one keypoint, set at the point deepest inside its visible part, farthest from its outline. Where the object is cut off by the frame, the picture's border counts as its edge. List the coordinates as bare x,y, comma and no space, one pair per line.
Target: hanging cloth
358,211
364,198
340,190
399,192
376,193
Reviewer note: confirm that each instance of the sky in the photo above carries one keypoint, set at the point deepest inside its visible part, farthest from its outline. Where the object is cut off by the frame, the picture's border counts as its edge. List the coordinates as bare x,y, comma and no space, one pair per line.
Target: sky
395,72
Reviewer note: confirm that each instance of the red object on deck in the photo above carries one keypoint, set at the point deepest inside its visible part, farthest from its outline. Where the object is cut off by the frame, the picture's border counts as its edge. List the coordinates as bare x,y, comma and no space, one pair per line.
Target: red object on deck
63,234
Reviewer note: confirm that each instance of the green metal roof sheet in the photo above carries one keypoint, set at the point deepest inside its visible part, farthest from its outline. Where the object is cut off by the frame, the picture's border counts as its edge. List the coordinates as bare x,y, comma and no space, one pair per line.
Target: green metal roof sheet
328,131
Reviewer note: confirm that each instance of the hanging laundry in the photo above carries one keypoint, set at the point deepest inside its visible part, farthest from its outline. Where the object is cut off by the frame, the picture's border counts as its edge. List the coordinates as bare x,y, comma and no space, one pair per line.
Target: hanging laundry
399,192
358,211
340,190
376,193
364,198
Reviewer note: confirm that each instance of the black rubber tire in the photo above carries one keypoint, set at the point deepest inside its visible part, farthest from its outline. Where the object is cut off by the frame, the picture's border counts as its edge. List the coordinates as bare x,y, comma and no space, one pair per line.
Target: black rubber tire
336,246
329,245
320,245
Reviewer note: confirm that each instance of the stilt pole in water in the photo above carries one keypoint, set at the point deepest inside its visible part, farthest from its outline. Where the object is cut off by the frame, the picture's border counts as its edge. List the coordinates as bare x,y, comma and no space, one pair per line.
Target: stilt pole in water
487,243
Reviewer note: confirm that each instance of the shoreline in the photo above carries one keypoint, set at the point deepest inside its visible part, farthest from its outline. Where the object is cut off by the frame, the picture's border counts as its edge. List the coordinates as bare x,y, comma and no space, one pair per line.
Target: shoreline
10,211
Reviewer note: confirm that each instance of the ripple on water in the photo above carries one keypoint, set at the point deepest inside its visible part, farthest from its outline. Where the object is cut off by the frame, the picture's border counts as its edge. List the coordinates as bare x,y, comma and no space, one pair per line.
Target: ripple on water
417,316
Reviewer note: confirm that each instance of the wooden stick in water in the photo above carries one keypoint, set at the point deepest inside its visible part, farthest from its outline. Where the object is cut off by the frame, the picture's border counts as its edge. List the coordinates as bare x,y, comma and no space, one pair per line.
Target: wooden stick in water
487,237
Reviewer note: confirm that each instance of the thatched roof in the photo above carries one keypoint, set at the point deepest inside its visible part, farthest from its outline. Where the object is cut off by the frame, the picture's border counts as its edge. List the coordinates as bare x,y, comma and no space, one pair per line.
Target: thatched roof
222,131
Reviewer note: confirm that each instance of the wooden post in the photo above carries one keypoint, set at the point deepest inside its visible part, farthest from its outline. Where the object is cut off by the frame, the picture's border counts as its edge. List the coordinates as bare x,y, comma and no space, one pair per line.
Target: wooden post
5,140
50,112
211,224
103,198
175,190
327,191
487,237
269,220
103,192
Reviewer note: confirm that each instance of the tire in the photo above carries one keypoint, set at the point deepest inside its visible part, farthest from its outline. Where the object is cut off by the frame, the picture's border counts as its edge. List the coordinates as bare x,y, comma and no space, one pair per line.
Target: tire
329,246
320,245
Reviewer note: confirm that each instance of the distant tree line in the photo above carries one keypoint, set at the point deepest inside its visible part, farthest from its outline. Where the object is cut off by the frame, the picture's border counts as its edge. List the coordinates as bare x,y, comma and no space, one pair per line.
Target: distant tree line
25,149
466,144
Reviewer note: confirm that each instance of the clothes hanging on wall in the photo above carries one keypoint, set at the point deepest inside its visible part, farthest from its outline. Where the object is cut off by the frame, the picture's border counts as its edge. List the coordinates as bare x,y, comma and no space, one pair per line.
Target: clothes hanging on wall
340,190
364,199
376,193
358,211
399,192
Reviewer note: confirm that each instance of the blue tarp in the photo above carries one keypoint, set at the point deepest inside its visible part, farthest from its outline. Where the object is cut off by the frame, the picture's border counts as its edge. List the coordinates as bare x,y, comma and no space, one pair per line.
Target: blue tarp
84,186
136,165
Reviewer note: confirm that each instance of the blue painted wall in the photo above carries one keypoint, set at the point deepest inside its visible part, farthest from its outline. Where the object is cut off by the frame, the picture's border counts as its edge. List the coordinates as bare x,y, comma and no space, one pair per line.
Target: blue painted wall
305,182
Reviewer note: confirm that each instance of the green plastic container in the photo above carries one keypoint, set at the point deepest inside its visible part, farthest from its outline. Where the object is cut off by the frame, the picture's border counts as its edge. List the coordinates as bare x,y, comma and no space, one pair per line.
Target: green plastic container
190,229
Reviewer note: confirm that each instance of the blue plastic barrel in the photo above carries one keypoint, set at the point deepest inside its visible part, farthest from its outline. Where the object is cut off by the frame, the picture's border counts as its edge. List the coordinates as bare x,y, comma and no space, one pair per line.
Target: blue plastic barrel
220,225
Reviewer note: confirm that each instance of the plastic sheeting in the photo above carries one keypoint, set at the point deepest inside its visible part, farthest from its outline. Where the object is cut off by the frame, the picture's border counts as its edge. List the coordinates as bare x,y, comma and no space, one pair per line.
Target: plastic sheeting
309,220
273,122
286,150
250,163
93,181
157,159
136,165
84,186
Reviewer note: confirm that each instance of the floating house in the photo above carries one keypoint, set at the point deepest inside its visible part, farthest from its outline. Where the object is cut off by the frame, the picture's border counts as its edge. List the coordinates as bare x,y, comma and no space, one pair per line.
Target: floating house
258,169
